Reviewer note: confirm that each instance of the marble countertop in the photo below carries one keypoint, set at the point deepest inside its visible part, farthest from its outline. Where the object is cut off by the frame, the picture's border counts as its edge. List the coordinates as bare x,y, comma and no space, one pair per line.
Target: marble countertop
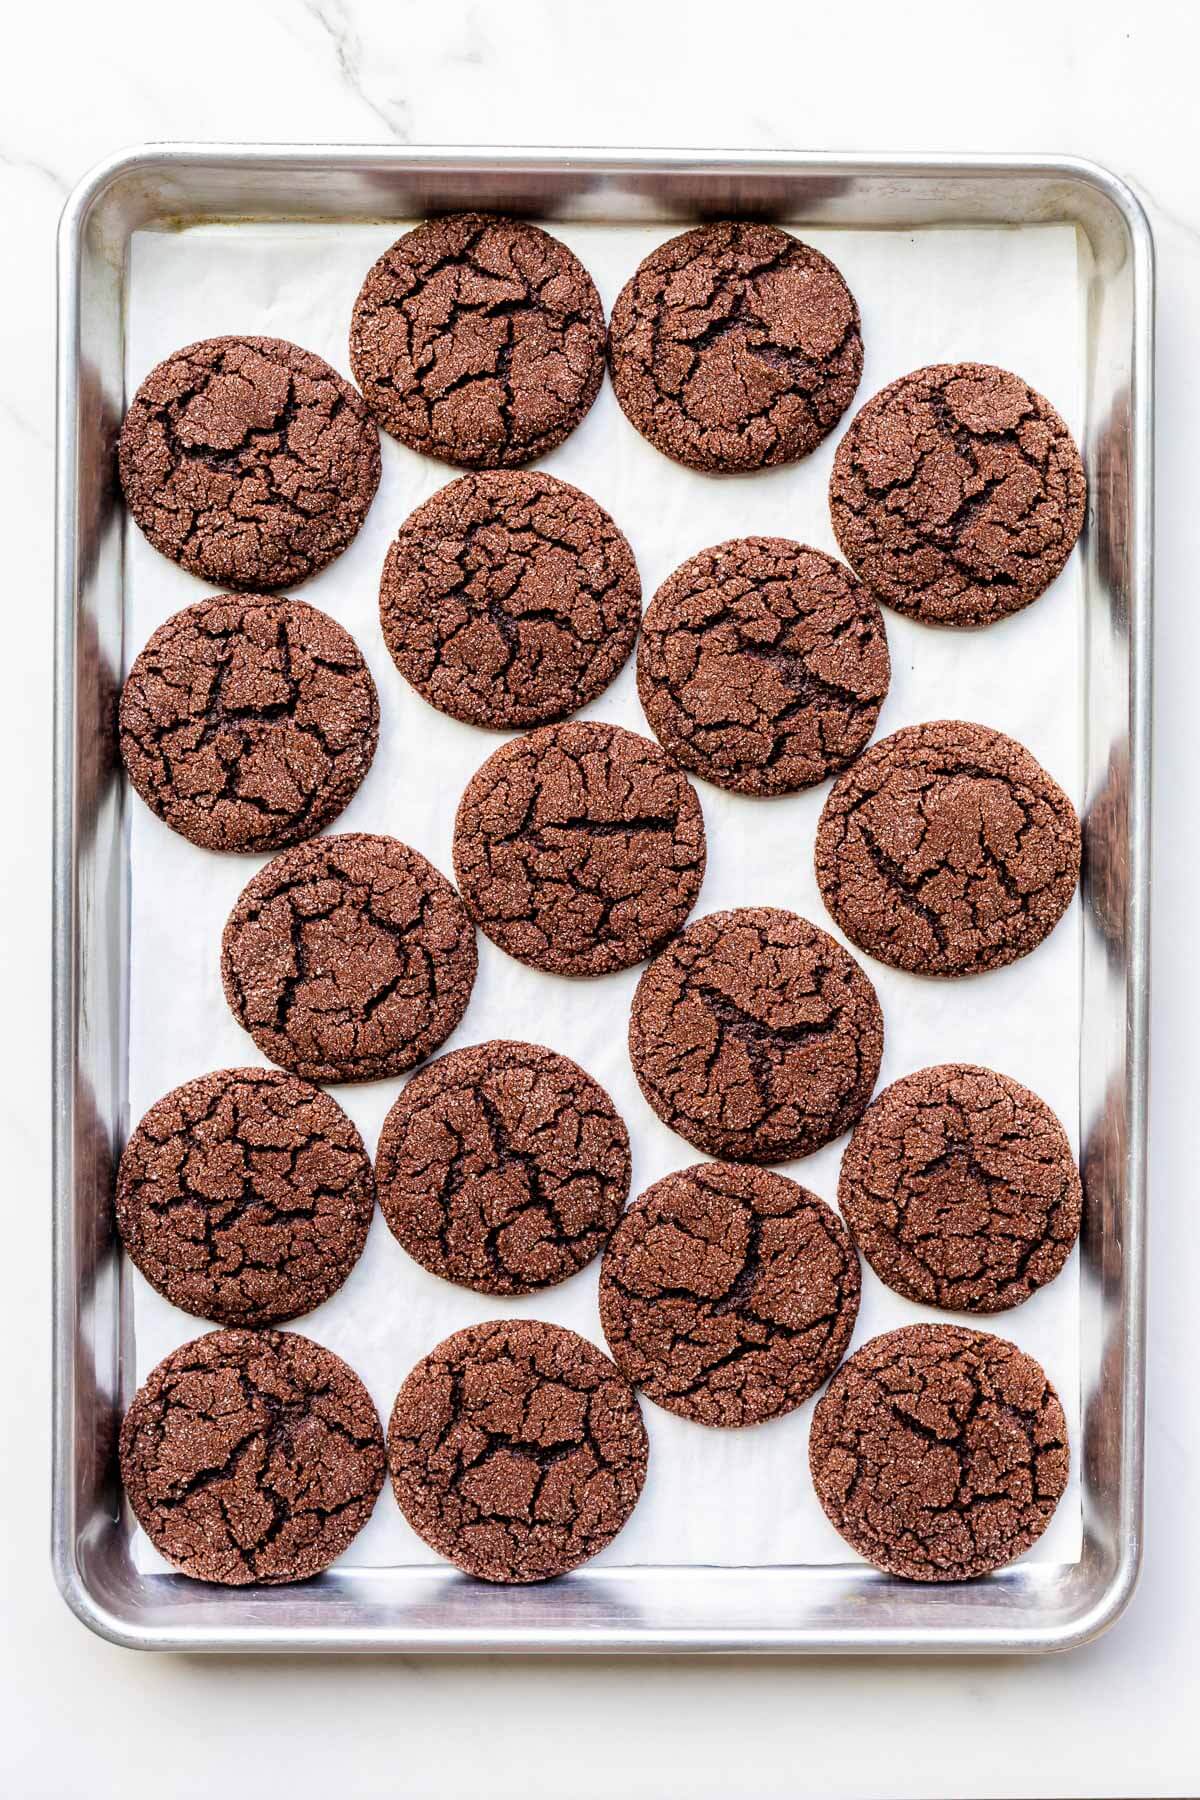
1114,82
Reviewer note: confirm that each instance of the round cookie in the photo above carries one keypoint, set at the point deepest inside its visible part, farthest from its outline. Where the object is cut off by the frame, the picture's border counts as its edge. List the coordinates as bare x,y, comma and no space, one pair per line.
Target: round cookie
957,494
245,1196
762,665
478,340
516,1450
939,1453
580,848
249,461
946,850
503,1167
509,599
734,347
959,1187
252,1456
755,1036
728,1294
348,958
248,722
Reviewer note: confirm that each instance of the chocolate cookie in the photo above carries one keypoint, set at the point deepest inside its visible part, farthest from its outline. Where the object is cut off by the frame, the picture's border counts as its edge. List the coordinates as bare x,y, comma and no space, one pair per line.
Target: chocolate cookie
939,1453
478,340
762,665
249,461
503,1167
248,723
516,1450
957,494
728,1294
755,1036
580,848
348,958
960,1189
245,1196
509,599
946,849
735,346
252,1456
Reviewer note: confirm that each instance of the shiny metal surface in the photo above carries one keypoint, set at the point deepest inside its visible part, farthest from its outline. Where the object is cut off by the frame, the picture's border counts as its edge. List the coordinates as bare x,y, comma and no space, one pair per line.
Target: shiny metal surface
827,1609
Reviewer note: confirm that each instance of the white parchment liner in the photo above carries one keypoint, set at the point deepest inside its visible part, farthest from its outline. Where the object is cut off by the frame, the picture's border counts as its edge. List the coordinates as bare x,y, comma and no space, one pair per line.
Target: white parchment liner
1009,296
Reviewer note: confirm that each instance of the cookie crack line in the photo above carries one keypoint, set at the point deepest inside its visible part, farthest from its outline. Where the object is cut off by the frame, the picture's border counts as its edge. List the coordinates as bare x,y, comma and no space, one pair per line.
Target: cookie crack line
979,488
760,1039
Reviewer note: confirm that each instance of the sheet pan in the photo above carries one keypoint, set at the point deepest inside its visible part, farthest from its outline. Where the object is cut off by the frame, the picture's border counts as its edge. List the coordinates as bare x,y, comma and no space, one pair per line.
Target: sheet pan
773,1582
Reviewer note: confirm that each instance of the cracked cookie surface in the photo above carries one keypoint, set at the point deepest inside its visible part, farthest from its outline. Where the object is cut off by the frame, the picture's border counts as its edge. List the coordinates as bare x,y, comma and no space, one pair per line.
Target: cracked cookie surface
249,461
579,848
939,1453
762,665
348,958
957,494
728,1294
735,346
503,1167
959,1187
755,1036
509,599
252,1456
479,340
245,1196
946,849
517,1450
248,722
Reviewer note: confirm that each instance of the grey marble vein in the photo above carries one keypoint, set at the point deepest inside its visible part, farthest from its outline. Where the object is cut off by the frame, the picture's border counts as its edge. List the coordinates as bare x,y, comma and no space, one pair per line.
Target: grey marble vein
1189,227
334,20
31,166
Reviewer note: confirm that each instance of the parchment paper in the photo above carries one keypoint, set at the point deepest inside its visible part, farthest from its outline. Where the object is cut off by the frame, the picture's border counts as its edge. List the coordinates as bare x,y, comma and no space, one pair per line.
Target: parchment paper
1009,296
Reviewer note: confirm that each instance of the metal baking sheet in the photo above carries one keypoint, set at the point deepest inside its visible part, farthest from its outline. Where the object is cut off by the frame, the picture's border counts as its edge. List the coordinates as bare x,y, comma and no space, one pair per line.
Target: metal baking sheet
798,1606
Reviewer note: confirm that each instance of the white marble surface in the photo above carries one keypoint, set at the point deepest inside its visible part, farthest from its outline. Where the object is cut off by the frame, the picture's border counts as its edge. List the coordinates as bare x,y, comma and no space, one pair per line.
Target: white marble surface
1112,81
